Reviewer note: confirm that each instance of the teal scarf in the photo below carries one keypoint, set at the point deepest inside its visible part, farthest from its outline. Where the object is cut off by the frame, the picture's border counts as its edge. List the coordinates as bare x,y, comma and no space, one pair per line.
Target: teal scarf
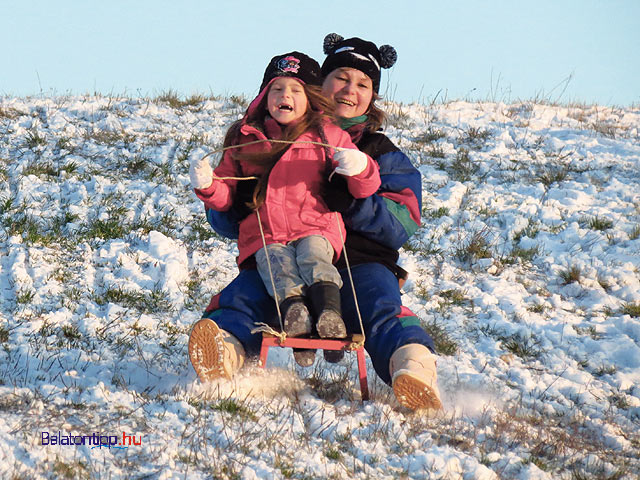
346,123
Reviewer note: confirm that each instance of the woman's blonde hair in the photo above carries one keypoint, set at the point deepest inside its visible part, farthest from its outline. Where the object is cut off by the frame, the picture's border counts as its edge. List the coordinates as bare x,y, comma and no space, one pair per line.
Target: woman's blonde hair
375,116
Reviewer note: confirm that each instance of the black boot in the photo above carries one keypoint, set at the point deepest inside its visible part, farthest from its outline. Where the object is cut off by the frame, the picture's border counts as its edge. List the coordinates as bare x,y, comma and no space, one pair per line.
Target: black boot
324,298
333,356
296,317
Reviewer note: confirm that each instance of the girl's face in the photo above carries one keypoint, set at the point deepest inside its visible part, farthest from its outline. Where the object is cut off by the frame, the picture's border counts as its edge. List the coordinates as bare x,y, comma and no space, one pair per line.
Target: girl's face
350,89
286,100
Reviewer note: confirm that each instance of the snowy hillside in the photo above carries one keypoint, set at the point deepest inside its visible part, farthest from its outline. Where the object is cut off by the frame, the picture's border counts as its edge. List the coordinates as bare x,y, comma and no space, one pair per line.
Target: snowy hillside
526,271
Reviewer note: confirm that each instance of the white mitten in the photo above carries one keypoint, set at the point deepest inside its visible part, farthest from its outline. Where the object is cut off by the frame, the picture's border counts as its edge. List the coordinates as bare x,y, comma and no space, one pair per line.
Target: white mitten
201,173
350,162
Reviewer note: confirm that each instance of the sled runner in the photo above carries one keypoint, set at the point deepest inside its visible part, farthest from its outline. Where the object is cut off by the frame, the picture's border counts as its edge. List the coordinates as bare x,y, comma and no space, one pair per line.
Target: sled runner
357,340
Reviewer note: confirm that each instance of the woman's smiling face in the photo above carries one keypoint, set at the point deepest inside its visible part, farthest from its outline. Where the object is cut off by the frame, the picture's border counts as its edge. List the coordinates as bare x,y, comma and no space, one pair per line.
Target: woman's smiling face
350,89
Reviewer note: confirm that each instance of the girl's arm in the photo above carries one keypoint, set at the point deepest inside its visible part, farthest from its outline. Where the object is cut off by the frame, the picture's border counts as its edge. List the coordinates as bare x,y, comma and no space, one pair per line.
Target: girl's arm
219,195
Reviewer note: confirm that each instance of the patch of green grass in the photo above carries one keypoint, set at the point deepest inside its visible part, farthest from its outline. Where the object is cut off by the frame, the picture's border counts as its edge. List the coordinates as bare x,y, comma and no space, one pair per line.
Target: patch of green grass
571,274
136,164
4,334
598,223
239,100
536,308
605,370
590,330
68,470
155,301
436,151
65,143
431,135
524,346
71,332
233,407
286,468
40,168
454,297
111,138
33,231
463,167
6,204
10,113
530,231
171,98
523,254
108,229
632,309
475,246
445,345
33,139
438,213
200,231
476,137
548,174
333,454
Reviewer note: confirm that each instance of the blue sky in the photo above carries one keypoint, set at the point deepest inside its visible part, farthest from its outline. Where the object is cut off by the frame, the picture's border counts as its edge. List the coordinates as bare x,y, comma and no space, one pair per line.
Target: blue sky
586,51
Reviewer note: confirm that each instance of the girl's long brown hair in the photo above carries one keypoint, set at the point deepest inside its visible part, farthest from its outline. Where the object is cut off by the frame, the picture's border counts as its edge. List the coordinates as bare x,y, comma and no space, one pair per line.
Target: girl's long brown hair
319,109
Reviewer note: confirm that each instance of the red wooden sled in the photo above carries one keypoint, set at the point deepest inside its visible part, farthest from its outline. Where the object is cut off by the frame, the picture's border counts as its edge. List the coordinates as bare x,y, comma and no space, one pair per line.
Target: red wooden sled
269,340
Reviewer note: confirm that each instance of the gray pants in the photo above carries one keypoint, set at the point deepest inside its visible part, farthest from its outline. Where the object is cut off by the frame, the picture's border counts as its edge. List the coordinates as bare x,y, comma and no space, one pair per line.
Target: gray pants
297,264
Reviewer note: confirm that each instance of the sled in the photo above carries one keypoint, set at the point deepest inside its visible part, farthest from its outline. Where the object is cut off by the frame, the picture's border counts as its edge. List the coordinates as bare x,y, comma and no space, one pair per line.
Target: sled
269,340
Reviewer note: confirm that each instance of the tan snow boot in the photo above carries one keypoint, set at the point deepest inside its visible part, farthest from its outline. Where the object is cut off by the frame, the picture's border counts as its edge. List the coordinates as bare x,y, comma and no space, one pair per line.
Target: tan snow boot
414,377
214,353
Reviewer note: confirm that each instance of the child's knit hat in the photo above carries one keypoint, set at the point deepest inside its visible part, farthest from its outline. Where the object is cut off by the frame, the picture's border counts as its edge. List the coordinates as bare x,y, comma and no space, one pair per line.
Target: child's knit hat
293,64
359,54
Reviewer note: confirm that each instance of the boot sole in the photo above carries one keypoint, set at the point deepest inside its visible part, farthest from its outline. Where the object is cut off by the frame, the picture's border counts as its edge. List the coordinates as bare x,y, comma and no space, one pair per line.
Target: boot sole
413,393
206,351
297,321
331,326
304,358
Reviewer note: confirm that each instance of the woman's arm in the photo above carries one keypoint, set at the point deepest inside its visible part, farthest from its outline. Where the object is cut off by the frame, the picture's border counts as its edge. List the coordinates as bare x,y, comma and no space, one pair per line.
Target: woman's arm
392,215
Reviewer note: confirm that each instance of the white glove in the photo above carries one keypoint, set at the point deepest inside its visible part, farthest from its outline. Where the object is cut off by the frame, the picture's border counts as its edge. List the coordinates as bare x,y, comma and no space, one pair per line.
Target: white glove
350,162
201,173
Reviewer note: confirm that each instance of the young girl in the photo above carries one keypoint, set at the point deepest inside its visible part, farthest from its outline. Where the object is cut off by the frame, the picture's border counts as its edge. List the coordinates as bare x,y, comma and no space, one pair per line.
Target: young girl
301,233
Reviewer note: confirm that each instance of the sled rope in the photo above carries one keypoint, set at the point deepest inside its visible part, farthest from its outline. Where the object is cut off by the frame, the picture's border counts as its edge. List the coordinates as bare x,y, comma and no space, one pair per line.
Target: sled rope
281,335
253,142
354,345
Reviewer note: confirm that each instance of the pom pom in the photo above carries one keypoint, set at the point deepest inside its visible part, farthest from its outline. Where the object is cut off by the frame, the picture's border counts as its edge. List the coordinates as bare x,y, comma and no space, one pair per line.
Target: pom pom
330,42
388,56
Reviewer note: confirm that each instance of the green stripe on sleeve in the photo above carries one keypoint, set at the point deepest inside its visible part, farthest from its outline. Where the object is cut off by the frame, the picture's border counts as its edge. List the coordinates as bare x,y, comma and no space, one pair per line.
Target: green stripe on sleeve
409,322
402,215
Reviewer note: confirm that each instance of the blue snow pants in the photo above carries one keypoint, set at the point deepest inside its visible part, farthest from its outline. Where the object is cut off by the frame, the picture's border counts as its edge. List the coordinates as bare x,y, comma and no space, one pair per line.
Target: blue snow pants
387,324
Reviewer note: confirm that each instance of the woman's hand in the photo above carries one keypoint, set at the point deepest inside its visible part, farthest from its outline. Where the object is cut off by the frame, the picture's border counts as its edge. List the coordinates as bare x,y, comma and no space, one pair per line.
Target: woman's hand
350,162
200,173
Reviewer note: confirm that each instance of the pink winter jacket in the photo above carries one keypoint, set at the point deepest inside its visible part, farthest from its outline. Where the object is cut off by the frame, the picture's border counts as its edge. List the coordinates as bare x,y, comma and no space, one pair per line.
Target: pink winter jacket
293,207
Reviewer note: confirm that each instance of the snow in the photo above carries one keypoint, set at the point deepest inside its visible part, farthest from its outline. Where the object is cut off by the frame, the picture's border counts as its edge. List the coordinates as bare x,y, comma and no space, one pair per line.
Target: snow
106,261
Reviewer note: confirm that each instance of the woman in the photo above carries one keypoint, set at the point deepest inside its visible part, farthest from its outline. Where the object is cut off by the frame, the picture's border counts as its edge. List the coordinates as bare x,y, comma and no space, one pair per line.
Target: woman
401,351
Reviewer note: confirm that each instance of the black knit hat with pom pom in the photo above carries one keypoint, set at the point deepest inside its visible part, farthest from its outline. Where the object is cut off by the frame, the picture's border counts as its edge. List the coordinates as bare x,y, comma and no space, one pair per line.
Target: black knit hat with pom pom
359,54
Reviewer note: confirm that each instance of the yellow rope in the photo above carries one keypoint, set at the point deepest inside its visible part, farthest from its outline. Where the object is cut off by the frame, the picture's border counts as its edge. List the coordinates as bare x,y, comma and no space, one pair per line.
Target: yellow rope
354,345
253,142
283,335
